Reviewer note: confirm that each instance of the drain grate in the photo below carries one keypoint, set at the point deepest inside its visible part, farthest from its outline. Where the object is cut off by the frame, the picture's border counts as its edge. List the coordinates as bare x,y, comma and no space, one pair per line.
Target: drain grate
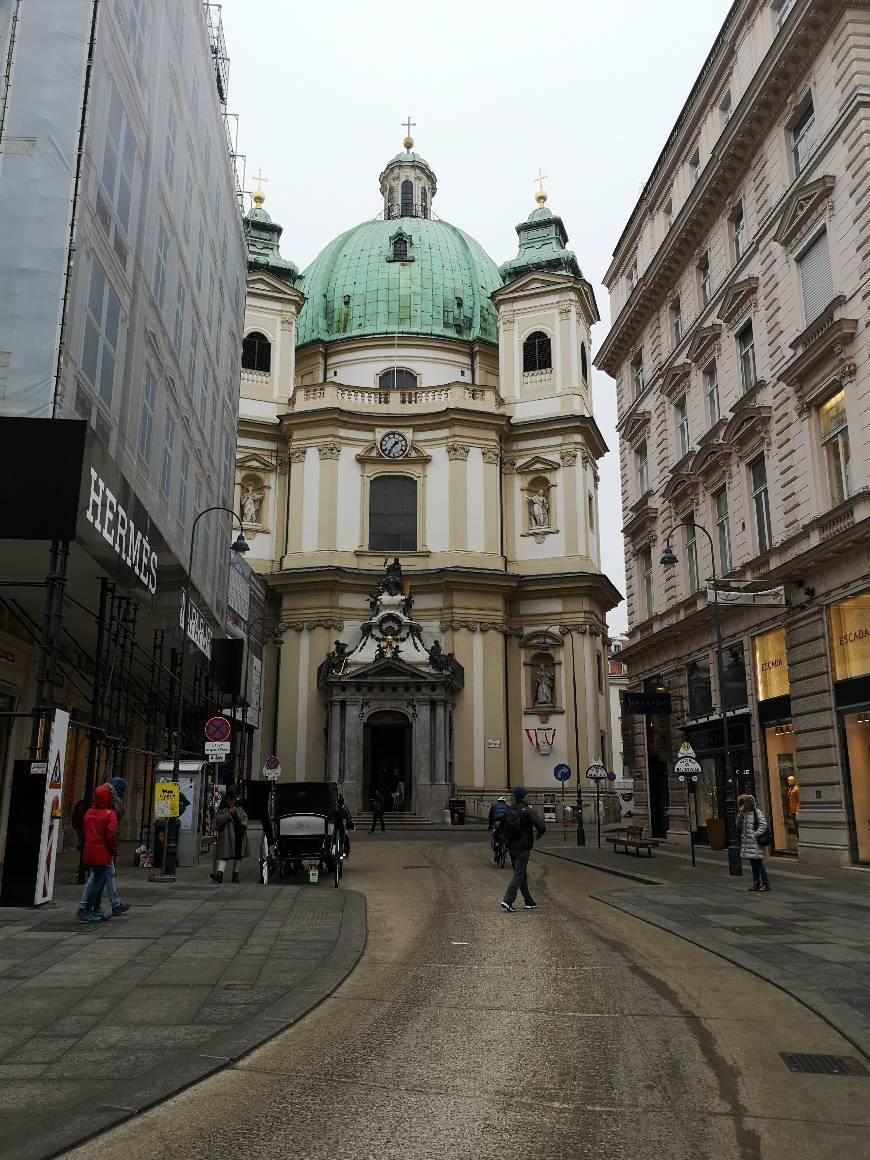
822,1064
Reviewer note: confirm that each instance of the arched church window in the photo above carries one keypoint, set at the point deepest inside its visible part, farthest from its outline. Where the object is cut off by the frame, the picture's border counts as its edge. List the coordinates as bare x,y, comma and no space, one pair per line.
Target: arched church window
400,249
536,352
256,352
391,201
407,198
424,202
397,378
584,365
393,514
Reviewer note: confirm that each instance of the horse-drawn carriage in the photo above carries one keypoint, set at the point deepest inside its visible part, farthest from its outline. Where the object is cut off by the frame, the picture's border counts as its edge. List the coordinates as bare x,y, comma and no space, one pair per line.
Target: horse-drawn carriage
303,829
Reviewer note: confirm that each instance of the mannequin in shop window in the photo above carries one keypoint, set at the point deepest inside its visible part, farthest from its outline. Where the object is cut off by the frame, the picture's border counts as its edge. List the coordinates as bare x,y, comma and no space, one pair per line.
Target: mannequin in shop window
793,802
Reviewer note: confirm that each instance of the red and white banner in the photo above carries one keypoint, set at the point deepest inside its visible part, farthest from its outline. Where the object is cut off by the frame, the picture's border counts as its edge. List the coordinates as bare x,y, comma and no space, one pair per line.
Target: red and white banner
52,832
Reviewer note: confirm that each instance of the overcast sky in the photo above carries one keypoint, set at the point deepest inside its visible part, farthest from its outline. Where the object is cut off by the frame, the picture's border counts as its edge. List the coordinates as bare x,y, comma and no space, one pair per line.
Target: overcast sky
586,90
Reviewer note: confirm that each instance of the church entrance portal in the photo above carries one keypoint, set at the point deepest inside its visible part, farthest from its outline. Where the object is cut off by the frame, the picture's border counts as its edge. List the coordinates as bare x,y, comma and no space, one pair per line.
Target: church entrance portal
387,760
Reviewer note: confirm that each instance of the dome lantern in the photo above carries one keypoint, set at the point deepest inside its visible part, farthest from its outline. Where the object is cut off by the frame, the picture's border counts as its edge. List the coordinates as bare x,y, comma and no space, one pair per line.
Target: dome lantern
407,183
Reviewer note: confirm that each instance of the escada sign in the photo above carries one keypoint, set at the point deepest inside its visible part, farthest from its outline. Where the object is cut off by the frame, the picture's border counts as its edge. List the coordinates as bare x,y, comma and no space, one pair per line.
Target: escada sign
119,530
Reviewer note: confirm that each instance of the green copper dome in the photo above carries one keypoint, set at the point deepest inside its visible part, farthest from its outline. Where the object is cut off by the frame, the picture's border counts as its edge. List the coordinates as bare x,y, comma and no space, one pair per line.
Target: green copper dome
361,285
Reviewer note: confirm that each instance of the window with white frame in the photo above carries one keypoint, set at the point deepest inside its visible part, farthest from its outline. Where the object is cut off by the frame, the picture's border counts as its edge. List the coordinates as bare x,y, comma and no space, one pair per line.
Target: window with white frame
760,503
168,450
146,419
695,166
200,253
782,9
677,321
206,536
725,108
204,394
102,325
723,530
645,568
631,276
161,264
803,137
188,201
835,444
746,352
641,462
229,463
183,483
178,329
737,233
194,93
212,281
119,160
169,144
691,541
704,280
814,265
711,390
192,358
668,213
637,373
681,418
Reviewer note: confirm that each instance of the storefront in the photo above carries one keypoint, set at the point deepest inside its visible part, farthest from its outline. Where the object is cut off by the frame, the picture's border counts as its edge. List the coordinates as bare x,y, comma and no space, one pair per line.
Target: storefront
773,691
849,625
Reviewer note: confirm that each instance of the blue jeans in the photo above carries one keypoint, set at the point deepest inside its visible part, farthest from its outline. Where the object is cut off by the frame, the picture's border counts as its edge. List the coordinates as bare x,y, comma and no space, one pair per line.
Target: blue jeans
759,874
111,888
93,892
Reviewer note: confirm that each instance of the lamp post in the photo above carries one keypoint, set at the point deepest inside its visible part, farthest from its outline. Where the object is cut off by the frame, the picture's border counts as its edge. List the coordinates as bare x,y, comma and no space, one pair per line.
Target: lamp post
277,640
581,829
669,558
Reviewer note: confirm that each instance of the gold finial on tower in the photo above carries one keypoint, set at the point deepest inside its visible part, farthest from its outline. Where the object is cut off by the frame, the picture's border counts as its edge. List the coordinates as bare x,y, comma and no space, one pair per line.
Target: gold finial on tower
541,195
409,140
258,195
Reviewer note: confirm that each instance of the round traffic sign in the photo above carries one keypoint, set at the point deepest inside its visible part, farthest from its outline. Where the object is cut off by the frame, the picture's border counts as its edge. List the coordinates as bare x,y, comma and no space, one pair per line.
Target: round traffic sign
562,772
611,776
272,768
217,729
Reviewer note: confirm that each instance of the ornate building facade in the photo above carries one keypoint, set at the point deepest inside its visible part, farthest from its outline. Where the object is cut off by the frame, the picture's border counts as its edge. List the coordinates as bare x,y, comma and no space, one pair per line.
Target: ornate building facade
739,349
405,398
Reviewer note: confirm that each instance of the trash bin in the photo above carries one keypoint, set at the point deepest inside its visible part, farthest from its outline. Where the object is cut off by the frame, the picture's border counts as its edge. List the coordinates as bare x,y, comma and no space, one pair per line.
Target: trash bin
457,811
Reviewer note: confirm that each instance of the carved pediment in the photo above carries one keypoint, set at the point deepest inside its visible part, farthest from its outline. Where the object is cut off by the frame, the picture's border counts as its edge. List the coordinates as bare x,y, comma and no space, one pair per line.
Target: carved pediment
704,344
675,381
738,300
541,639
537,463
712,461
259,282
748,429
682,485
640,527
254,461
714,435
372,453
823,355
636,429
802,208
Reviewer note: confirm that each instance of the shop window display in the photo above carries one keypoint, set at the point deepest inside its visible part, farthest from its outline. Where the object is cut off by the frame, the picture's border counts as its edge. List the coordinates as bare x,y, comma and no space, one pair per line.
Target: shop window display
857,729
784,788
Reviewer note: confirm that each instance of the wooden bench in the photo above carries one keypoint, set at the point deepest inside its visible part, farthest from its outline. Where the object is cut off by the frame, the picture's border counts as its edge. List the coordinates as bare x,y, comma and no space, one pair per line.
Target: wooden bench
633,839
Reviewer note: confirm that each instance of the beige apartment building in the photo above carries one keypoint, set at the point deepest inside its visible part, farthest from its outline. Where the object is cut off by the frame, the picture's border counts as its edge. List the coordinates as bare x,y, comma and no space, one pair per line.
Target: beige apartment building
740,353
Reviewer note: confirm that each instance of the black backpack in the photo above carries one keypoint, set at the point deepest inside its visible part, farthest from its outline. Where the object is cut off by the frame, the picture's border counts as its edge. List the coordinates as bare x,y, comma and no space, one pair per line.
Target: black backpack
516,823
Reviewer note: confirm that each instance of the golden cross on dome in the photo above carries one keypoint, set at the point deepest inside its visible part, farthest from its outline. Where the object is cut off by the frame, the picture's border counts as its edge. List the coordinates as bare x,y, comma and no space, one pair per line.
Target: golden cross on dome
541,195
408,125
259,196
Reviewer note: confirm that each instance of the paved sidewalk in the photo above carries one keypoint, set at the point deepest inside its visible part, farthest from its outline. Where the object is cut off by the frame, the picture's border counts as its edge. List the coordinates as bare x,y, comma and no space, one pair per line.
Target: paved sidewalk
101,1022
809,936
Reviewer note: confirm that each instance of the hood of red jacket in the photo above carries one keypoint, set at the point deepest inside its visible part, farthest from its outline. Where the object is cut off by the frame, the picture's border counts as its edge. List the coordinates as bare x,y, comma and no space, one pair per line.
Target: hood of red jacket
101,797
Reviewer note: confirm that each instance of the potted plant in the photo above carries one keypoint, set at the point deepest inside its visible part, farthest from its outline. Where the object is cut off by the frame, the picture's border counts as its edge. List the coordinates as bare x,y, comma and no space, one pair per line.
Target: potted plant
708,808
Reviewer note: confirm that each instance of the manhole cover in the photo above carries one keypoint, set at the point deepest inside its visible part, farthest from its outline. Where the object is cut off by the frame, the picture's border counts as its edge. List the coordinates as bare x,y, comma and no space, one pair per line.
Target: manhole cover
822,1064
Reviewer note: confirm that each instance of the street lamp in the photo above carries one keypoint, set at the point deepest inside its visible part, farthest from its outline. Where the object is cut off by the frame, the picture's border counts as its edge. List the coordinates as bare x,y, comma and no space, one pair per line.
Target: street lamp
669,558
277,631
581,829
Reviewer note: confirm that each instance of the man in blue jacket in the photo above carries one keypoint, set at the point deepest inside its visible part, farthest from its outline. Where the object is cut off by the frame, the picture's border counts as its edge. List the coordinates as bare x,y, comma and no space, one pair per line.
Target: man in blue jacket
521,826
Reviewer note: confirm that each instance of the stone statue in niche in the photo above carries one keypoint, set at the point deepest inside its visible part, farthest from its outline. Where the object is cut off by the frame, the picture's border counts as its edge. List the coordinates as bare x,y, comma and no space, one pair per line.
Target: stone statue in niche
539,509
250,504
543,685
393,583
440,661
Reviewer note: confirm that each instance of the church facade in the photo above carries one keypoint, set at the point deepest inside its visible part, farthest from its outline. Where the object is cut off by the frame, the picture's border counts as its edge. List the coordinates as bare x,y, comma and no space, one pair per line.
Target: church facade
416,472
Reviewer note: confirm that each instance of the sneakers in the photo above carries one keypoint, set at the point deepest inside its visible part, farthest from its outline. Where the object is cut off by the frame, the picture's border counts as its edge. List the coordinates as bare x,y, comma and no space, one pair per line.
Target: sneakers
121,908
507,906
754,886
80,915
235,878
766,886
218,877
530,906
90,919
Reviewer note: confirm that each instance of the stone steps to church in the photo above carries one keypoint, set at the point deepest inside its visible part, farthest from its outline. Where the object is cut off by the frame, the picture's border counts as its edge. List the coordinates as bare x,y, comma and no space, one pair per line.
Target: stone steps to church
396,819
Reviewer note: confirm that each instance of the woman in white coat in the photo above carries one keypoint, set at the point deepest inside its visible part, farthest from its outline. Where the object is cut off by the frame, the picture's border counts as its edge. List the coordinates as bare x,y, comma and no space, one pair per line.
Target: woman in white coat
751,823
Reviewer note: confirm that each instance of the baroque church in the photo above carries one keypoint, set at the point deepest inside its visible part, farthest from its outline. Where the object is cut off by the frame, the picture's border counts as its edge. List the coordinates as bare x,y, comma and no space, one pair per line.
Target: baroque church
416,474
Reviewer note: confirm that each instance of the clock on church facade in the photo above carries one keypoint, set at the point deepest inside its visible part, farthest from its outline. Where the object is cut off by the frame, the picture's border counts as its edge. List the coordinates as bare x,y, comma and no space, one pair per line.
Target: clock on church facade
416,425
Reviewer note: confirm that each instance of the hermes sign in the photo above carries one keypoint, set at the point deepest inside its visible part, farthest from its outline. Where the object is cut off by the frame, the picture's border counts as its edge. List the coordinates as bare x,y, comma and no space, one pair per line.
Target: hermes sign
118,528
771,665
849,623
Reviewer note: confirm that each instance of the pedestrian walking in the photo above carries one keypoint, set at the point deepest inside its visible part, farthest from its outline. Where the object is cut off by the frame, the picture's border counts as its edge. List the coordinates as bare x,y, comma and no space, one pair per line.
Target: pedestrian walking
377,811
754,837
345,823
521,826
232,836
117,787
100,834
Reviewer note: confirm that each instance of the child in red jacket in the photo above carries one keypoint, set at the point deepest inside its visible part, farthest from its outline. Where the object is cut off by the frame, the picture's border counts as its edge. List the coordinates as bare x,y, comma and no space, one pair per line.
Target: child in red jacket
100,843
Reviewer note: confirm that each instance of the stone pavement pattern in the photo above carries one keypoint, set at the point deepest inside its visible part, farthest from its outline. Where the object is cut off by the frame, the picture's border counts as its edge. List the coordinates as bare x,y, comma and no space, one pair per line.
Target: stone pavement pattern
810,935
574,1031
101,1021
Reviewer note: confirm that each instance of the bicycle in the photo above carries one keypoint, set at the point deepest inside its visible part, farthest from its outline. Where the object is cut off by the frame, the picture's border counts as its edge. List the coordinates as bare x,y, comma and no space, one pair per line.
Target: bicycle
499,848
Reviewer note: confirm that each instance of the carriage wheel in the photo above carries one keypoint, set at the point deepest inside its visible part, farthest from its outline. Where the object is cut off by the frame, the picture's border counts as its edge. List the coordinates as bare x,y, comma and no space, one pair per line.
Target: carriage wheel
264,871
336,864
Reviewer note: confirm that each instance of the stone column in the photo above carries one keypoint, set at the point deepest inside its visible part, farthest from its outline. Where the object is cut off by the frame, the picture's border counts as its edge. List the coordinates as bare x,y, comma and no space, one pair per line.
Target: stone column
572,516
491,506
327,529
353,757
457,454
295,499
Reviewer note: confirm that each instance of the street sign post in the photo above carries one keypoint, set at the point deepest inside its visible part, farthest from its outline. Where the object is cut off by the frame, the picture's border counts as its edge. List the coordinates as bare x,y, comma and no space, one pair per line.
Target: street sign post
597,773
562,773
688,769
272,768
216,749
217,729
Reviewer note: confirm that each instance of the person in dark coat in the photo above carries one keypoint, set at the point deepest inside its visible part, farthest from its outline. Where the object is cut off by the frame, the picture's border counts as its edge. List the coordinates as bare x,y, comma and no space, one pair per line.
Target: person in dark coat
101,841
377,811
521,826
231,823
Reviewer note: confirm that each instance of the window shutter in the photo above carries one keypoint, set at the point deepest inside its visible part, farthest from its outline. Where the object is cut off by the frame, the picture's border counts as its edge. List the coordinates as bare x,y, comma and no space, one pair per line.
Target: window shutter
815,268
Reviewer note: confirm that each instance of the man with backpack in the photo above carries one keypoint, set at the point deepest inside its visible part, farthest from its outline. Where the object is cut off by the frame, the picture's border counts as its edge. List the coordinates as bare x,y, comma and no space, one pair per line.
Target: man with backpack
521,826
